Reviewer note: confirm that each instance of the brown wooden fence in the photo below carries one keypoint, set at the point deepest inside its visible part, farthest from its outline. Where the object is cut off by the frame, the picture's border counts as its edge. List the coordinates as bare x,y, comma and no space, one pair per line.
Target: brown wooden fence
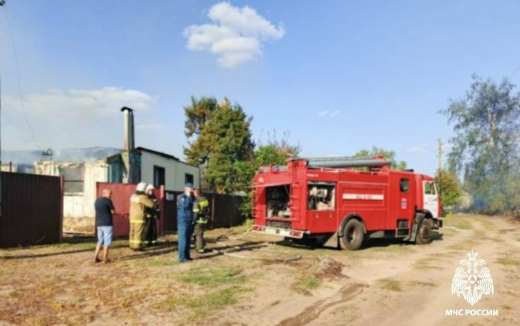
32,211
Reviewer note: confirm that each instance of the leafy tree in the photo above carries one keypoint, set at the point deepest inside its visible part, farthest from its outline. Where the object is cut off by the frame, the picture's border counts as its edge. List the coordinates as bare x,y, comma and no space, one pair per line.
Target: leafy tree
389,155
485,147
198,116
450,190
222,140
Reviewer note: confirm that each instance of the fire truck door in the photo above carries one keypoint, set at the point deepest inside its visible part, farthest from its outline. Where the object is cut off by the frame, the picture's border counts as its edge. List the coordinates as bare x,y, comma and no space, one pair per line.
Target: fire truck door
403,200
322,207
431,200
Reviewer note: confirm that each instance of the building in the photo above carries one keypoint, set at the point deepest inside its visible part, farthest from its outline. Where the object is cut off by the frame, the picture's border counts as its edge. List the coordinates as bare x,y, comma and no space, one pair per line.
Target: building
132,165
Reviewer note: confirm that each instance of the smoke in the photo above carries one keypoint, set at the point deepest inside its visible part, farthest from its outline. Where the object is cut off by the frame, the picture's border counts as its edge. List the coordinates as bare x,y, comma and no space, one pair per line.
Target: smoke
59,155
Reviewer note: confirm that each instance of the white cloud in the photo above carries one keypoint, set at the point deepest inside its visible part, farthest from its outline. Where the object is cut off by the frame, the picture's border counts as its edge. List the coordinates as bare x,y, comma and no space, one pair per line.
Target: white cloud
236,34
328,114
81,103
74,118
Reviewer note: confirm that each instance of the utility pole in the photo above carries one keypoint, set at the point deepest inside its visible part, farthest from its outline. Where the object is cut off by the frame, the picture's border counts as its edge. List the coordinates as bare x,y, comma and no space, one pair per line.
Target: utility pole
2,2
440,157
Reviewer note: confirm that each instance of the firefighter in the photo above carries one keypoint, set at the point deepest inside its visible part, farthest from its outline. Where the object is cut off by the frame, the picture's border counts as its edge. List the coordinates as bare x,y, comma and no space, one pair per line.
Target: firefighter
185,222
152,215
200,218
139,203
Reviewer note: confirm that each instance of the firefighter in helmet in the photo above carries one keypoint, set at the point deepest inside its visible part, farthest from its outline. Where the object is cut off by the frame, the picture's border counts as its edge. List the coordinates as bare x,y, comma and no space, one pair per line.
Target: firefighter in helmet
201,215
139,203
152,215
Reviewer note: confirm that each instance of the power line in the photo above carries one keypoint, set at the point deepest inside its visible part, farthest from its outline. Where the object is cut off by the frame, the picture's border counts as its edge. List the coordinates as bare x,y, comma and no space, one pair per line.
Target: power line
18,80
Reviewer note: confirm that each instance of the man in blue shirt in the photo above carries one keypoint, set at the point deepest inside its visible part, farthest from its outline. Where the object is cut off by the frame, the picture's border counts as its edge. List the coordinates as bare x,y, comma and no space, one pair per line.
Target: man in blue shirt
104,210
185,222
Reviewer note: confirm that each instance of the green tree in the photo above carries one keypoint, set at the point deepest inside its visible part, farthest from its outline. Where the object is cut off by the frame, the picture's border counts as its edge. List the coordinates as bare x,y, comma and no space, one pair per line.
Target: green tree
389,155
219,138
450,190
485,146
275,152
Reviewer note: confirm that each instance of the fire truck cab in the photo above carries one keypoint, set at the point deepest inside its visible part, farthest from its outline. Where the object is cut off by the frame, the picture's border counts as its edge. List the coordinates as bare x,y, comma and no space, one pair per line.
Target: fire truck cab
344,201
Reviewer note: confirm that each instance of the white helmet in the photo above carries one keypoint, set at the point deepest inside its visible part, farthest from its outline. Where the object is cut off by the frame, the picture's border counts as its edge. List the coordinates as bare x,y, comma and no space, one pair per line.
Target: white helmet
150,187
141,187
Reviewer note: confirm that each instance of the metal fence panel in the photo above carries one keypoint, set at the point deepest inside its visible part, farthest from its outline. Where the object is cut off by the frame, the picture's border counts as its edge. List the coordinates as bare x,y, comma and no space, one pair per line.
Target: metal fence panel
32,210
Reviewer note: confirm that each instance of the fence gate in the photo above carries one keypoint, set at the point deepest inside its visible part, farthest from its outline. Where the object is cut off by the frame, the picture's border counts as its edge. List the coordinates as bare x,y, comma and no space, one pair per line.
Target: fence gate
121,193
32,211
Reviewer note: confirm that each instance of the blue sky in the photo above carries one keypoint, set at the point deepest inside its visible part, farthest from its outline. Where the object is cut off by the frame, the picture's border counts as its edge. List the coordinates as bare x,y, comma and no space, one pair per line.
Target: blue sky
339,76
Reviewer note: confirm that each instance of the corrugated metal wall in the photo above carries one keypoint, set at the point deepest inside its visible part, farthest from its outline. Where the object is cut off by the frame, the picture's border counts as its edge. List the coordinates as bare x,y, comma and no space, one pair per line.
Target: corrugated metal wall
32,210
175,171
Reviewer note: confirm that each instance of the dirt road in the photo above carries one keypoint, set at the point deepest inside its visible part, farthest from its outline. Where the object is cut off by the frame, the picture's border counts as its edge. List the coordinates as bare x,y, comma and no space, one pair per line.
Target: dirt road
385,283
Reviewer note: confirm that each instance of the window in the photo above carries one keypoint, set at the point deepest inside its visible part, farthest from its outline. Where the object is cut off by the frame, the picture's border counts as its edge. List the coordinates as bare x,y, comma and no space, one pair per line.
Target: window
188,178
158,176
404,185
429,188
321,197
73,178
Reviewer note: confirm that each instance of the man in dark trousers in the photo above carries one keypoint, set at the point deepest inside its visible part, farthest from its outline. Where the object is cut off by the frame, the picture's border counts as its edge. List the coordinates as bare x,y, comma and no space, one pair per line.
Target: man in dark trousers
152,216
185,222
201,215
104,210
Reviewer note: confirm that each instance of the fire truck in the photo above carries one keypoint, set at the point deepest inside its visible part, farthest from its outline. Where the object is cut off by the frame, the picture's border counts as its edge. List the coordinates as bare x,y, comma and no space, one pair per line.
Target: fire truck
341,202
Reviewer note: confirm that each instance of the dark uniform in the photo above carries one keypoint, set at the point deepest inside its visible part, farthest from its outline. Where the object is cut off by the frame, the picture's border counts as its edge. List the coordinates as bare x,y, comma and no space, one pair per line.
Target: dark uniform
152,215
201,215
184,225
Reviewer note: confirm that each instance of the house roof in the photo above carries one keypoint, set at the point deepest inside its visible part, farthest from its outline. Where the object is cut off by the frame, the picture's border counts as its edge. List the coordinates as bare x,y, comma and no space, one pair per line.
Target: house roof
168,156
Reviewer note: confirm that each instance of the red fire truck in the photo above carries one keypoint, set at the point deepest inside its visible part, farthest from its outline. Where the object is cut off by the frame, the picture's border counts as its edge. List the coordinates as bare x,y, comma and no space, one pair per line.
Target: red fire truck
344,201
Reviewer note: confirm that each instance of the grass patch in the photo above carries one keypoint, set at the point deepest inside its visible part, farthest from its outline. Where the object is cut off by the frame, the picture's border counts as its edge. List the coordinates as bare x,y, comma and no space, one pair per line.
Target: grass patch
389,284
204,305
76,246
13,294
308,282
212,276
423,284
426,263
458,222
486,222
508,261
162,262
464,245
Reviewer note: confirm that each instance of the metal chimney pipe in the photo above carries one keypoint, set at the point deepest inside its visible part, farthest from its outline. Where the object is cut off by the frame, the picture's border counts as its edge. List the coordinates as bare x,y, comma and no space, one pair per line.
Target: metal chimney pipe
129,129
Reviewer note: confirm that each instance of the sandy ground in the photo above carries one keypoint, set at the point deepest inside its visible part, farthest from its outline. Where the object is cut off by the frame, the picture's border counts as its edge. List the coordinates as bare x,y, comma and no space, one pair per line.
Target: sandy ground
386,283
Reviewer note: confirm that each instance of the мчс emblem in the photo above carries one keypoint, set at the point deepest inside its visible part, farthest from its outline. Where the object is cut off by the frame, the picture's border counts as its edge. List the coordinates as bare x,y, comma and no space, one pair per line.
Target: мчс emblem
472,282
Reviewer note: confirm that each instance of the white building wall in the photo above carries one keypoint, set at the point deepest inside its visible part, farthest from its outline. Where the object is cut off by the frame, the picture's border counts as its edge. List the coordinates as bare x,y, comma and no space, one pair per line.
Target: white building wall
174,171
82,204
95,171
73,205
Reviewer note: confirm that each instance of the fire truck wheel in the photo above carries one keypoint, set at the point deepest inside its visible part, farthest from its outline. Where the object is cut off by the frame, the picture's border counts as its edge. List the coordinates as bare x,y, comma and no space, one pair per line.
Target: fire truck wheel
424,236
353,235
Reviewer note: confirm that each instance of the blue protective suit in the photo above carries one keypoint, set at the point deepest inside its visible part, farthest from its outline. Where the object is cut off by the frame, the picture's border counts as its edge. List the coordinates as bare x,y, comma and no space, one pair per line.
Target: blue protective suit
184,225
